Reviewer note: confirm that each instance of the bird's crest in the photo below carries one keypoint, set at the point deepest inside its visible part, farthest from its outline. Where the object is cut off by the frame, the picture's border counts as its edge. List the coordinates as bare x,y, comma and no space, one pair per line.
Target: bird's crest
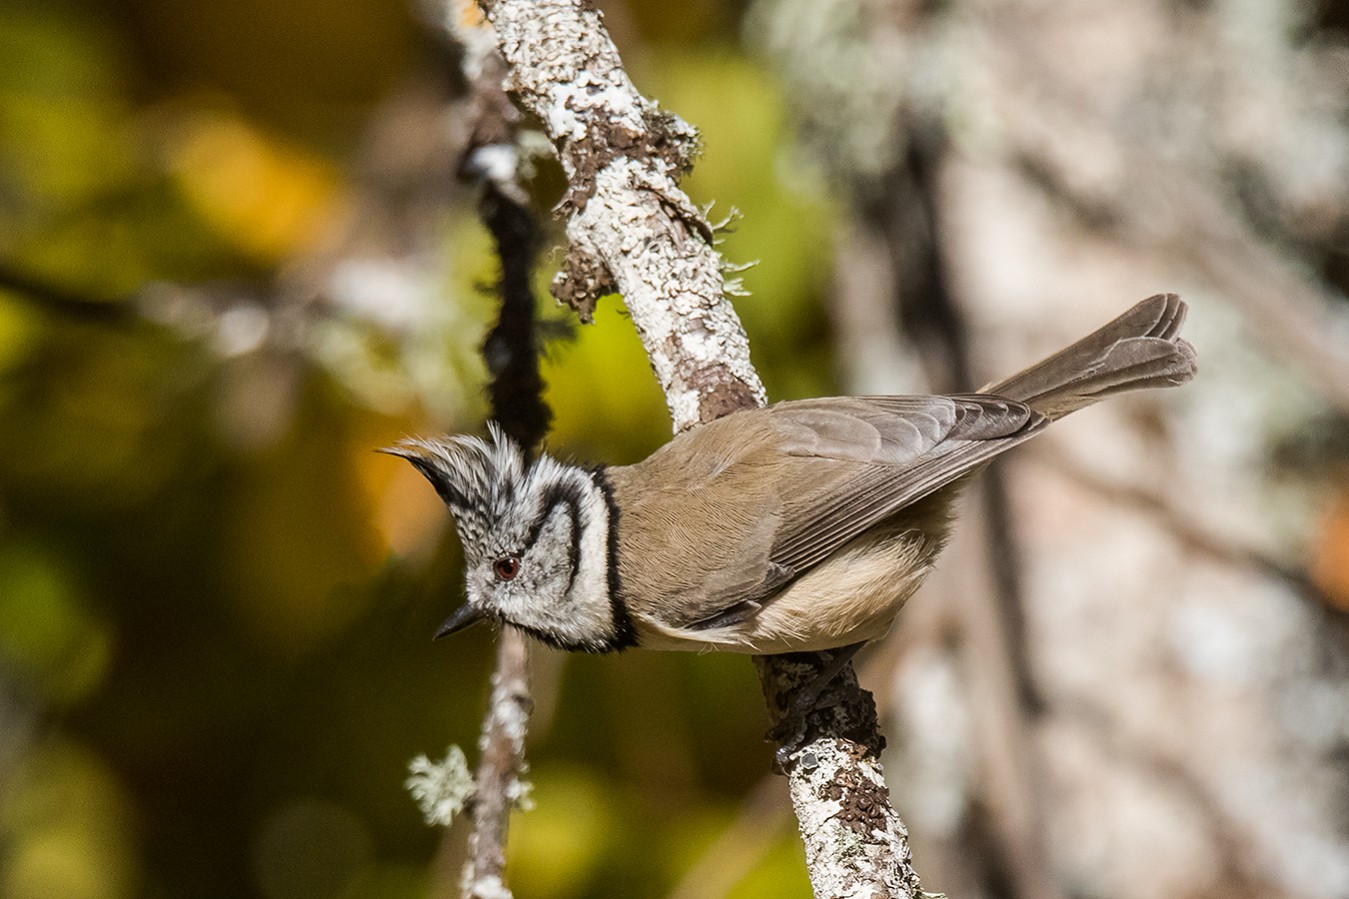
479,480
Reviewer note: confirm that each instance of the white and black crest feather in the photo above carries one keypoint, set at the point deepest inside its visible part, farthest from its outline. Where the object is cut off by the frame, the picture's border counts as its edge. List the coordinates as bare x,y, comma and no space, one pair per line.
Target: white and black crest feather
549,522
481,481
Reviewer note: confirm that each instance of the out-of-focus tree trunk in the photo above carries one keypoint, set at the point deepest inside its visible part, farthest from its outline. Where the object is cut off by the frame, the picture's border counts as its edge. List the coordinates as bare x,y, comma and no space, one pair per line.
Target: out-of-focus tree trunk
1109,688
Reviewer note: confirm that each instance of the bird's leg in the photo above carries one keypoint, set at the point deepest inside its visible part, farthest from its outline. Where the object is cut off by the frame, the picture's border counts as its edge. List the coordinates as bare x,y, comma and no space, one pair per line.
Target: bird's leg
790,731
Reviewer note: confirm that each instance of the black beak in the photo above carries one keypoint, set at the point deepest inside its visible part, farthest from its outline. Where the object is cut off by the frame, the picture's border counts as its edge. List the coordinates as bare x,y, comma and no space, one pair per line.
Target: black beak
459,620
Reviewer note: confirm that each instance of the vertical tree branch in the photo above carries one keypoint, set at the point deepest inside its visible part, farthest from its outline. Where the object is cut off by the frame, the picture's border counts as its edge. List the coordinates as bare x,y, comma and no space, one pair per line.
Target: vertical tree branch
632,229
497,785
511,353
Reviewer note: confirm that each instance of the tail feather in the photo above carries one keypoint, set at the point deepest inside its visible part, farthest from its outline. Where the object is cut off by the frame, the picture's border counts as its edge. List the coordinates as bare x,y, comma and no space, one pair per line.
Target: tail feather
1139,350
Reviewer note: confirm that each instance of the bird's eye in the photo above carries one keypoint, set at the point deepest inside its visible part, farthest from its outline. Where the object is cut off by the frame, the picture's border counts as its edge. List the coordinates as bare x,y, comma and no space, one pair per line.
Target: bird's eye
506,568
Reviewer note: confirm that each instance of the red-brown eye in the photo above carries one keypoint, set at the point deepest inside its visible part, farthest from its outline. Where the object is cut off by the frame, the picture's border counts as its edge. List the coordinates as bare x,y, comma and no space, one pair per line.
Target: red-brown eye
506,568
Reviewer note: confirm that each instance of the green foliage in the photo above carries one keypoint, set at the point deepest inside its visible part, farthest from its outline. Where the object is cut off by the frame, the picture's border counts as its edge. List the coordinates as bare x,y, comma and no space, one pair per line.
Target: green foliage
215,599
67,829
49,637
558,848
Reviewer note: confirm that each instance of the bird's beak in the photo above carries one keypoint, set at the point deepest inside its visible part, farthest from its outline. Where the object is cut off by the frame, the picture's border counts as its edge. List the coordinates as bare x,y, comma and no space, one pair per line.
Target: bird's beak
461,619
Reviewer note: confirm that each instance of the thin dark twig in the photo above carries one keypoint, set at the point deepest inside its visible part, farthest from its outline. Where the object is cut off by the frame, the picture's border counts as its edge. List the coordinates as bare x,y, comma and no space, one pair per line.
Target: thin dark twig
910,214
64,301
931,310
511,351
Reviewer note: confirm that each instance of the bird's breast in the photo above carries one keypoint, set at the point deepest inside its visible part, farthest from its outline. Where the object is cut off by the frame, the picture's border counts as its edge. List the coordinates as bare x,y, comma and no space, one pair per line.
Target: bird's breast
851,597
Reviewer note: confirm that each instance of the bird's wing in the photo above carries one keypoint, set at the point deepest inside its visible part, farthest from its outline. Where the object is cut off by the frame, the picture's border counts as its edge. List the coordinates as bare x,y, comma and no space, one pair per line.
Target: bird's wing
863,459
756,499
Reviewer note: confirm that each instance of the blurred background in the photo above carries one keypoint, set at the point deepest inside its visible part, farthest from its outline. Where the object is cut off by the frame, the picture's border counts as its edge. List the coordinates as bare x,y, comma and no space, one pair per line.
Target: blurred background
235,259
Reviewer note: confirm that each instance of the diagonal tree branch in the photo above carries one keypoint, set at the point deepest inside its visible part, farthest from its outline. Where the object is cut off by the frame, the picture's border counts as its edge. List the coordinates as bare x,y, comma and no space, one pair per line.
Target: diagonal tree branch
632,230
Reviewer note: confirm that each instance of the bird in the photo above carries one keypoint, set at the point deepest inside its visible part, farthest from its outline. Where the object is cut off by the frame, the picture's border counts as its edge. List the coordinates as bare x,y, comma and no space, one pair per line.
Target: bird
795,527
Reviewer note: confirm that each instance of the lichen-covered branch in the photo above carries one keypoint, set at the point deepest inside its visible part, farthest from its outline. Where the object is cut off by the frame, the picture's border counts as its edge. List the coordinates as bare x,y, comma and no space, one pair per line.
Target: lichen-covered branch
856,844
512,355
631,229
634,231
498,785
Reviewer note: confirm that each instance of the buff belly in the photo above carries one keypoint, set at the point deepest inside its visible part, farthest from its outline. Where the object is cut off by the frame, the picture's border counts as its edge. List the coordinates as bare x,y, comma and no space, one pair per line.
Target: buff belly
851,597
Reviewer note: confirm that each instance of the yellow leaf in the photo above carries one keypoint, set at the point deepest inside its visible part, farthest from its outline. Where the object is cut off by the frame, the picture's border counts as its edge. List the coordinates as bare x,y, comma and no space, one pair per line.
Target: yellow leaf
269,198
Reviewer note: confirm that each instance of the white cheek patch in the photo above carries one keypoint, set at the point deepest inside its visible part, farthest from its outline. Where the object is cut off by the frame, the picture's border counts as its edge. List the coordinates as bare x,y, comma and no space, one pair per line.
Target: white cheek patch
591,587
575,603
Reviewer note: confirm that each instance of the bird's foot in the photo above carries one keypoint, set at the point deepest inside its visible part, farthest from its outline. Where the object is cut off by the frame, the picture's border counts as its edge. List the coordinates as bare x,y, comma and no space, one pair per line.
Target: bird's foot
820,693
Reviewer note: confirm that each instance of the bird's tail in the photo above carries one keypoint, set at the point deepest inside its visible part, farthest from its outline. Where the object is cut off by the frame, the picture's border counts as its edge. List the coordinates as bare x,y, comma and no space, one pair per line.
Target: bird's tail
1139,350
